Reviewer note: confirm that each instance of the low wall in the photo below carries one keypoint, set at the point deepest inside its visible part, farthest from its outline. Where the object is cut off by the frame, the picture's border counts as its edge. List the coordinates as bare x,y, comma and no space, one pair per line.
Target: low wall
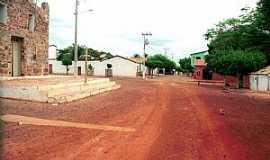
232,80
22,92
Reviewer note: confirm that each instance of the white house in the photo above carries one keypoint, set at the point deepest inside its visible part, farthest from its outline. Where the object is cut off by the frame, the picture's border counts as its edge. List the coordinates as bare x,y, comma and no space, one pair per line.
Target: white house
52,52
260,80
52,56
121,66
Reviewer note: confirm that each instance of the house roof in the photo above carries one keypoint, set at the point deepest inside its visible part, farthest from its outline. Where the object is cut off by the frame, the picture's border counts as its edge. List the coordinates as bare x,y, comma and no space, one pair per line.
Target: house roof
199,52
264,71
53,45
123,58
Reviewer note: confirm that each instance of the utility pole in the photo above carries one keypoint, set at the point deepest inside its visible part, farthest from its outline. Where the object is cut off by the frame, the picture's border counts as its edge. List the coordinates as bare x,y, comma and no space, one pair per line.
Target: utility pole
145,42
86,67
76,39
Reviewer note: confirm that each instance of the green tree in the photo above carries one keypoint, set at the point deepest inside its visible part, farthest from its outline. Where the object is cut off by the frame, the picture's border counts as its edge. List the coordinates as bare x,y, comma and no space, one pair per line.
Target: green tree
152,64
67,61
178,69
161,61
185,65
94,54
236,62
242,33
264,14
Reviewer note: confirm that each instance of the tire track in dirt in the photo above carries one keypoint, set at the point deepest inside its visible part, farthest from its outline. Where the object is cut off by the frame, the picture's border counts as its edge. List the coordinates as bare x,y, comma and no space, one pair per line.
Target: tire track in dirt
145,118
214,147
216,139
178,139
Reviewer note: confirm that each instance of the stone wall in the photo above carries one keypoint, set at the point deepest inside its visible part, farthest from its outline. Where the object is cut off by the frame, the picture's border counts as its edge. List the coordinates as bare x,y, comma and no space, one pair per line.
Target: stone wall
35,43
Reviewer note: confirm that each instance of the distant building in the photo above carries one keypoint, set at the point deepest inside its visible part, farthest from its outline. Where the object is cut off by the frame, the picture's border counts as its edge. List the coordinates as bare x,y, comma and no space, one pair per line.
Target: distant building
121,66
260,80
201,72
24,30
198,62
52,52
198,56
52,57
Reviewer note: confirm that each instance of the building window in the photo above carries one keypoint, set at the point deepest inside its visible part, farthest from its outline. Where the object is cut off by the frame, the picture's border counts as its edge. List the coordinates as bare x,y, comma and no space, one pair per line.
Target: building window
3,13
31,23
198,58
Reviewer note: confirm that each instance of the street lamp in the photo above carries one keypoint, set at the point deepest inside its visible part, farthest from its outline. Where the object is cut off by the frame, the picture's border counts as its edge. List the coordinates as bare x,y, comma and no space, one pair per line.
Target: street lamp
145,43
76,37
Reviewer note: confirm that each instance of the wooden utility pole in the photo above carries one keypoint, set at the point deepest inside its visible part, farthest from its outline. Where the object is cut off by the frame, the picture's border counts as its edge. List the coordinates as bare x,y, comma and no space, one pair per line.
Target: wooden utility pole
86,67
76,39
145,42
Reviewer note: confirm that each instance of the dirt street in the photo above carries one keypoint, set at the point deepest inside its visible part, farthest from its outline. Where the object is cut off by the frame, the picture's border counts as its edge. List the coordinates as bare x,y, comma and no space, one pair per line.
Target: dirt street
172,121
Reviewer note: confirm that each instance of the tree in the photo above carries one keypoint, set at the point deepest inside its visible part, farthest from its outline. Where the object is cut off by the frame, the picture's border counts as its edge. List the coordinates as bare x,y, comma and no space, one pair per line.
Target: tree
67,61
238,46
90,67
185,65
109,66
236,62
136,56
161,61
94,54
178,69
242,33
152,64
263,16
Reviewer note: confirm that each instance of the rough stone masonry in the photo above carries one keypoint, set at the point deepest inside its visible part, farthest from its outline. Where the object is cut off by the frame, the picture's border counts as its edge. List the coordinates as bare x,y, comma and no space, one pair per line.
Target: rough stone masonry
26,25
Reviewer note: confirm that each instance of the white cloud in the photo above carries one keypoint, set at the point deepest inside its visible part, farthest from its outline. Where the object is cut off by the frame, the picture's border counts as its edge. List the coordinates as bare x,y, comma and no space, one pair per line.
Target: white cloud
116,25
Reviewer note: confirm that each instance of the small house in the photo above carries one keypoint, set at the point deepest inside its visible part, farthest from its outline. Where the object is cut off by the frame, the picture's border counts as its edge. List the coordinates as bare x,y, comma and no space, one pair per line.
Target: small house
198,56
121,66
199,69
260,80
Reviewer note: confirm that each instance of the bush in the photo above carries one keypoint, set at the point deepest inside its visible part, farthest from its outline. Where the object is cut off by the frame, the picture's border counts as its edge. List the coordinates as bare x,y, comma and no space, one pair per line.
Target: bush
109,66
90,67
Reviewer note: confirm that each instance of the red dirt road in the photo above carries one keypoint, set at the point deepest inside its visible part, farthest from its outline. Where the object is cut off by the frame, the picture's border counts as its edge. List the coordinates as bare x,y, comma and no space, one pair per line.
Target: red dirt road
173,121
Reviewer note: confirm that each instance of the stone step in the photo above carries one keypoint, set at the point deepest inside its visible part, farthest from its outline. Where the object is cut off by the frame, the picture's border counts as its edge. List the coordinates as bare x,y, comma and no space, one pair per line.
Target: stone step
68,97
78,88
56,92
72,83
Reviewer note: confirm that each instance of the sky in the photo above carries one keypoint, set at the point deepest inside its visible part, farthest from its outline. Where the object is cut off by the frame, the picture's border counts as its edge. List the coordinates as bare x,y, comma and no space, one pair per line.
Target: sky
116,26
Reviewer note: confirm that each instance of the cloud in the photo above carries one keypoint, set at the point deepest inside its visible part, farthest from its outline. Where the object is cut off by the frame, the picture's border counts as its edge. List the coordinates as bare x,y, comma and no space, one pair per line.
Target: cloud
116,26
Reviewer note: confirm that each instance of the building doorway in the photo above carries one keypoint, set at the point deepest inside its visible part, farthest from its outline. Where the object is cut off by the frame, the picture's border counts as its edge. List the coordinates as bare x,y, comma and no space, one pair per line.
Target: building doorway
50,68
79,70
207,74
17,44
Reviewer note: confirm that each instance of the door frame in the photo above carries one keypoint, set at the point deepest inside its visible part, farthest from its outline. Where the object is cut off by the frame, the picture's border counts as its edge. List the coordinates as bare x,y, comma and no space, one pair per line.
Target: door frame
20,40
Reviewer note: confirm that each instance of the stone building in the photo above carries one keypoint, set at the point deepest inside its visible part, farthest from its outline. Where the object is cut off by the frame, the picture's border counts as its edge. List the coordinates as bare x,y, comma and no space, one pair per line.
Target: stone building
24,32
